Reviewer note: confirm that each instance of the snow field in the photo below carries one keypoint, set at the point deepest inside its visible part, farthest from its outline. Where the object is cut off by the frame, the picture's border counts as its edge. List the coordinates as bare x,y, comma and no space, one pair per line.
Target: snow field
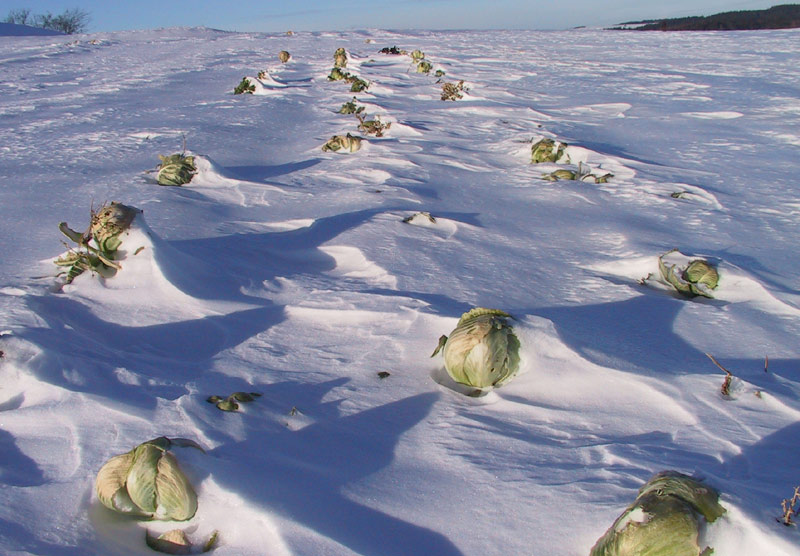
290,272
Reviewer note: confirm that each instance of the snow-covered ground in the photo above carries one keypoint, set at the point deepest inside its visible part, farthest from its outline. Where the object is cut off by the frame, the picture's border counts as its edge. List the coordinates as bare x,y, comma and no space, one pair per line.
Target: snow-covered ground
289,271
15,30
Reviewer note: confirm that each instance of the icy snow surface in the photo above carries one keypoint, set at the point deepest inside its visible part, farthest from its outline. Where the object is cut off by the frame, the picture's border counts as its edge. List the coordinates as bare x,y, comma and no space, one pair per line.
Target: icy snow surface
289,271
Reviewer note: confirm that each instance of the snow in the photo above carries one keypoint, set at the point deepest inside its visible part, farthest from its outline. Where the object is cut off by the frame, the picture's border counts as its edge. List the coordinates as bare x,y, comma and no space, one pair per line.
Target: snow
16,30
288,271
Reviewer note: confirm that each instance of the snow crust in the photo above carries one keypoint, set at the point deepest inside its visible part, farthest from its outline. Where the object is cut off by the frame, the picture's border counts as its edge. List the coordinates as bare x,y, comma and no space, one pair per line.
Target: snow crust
288,271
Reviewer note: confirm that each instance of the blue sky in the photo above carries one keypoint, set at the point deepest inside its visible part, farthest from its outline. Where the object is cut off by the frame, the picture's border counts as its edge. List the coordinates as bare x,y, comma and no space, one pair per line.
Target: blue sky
314,15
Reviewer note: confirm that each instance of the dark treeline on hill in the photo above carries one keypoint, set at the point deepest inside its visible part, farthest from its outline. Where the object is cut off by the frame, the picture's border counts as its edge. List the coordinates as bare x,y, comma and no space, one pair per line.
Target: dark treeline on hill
786,16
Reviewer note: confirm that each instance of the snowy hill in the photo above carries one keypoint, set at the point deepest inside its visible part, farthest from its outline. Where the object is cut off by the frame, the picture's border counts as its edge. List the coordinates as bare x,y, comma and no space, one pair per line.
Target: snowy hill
14,30
288,271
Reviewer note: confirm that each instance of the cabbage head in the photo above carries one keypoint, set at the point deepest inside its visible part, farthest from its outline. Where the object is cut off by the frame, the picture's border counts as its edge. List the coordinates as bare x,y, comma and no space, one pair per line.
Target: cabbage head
351,107
698,278
358,85
97,246
343,143
340,58
175,169
547,150
664,520
147,482
482,351
337,74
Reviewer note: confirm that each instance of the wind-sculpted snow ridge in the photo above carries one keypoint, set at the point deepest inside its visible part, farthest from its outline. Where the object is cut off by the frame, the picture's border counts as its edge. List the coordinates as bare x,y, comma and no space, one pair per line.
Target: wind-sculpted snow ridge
318,283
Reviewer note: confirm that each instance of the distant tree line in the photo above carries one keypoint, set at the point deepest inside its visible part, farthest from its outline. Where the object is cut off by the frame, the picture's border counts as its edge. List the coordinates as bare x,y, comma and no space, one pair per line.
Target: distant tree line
786,16
70,22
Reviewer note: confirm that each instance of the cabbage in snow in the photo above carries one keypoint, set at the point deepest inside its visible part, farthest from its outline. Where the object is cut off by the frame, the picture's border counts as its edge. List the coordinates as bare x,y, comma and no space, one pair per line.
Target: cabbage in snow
147,482
698,277
583,173
245,87
340,58
547,150
351,107
483,350
424,66
231,403
175,169
176,542
453,91
664,520
372,127
343,143
97,247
